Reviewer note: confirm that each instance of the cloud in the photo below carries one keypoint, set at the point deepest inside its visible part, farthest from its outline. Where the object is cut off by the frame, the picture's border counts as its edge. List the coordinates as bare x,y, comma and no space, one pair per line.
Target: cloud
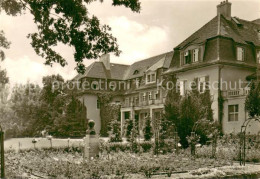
137,41
25,69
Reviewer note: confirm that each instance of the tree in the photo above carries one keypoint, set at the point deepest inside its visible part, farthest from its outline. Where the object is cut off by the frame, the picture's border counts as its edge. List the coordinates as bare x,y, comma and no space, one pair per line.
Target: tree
148,133
73,123
184,111
115,131
50,92
67,22
6,113
171,110
4,80
129,128
26,104
252,104
53,101
3,43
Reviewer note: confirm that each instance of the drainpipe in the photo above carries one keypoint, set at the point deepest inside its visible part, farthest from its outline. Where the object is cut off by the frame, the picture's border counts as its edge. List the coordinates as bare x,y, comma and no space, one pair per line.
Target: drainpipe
220,99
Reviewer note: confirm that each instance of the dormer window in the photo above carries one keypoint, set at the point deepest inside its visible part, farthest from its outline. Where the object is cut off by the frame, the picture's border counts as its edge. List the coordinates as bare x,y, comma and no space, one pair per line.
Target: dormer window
185,58
240,54
195,57
151,77
136,72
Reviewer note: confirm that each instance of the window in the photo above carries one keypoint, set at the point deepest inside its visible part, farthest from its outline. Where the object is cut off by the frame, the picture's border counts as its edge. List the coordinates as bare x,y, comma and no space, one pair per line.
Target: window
240,54
112,87
136,100
182,87
185,58
150,95
137,82
94,85
98,104
157,115
136,72
128,84
144,96
150,78
203,84
195,55
156,94
258,56
233,112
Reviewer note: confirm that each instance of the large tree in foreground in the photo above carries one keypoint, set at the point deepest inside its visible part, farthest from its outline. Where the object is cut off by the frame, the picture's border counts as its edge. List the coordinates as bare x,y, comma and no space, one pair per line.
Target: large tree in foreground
67,22
184,111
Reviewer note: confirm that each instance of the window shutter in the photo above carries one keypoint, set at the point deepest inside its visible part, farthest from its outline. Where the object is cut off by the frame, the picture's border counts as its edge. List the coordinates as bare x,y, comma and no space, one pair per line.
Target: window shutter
181,58
190,56
199,55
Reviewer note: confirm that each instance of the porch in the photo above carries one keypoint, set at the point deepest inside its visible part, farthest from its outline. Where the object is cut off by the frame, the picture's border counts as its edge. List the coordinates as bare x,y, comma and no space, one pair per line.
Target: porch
139,115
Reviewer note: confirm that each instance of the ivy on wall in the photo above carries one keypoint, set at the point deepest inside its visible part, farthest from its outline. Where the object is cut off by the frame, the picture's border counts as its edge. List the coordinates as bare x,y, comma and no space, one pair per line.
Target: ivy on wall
108,112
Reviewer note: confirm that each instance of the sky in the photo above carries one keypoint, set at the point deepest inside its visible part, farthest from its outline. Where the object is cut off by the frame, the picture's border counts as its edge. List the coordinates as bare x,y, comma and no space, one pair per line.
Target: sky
158,28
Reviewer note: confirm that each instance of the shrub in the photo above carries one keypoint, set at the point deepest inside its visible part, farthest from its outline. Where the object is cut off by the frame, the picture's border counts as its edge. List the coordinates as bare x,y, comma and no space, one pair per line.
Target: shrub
115,131
123,147
148,130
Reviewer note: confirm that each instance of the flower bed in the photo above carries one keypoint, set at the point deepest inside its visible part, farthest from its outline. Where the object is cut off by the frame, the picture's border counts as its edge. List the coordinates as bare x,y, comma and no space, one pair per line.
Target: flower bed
63,164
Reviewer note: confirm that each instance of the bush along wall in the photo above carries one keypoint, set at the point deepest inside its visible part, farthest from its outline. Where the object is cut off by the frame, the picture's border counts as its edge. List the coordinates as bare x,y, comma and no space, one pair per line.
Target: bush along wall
108,112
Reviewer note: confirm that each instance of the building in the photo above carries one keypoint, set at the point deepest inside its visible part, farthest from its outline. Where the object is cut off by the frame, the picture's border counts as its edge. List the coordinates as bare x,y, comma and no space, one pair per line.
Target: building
134,87
220,56
143,96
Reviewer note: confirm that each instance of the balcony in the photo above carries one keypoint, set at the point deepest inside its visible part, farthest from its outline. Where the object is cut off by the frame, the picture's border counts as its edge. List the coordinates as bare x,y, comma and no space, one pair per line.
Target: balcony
143,103
236,93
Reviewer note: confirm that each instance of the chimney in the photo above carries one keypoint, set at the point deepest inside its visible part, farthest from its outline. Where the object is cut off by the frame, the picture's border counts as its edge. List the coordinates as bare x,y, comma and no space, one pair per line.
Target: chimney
224,8
105,59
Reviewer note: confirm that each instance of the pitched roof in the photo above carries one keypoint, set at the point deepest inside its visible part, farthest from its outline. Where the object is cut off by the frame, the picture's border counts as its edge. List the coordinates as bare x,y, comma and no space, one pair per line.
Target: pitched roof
239,30
207,31
143,65
124,72
164,62
118,71
98,70
249,32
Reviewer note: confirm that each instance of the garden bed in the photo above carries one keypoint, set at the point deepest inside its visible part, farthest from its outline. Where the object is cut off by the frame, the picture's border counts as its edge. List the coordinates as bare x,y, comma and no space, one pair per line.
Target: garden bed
68,163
